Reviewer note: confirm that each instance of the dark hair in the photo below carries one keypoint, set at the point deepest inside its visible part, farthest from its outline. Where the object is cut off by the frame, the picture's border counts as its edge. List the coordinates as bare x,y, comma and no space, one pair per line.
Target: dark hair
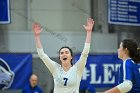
132,47
71,52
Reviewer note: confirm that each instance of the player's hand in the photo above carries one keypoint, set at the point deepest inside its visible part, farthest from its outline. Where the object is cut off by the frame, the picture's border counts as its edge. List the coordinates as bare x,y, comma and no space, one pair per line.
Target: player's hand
36,28
90,23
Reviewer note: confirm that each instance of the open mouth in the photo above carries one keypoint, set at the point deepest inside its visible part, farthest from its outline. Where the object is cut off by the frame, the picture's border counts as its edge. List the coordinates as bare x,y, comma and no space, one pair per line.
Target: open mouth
64,58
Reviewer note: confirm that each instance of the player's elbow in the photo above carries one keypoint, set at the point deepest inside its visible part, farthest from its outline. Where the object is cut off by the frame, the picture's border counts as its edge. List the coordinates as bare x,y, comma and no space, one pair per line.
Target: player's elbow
129,86
40,55
126,86
40,52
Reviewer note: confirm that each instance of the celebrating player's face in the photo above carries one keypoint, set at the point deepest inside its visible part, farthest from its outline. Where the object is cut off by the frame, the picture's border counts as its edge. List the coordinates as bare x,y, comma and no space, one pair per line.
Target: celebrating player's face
65,55
121,51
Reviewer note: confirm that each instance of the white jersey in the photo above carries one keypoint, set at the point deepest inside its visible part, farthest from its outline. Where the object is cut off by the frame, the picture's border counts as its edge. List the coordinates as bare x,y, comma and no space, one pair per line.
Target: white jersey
66,82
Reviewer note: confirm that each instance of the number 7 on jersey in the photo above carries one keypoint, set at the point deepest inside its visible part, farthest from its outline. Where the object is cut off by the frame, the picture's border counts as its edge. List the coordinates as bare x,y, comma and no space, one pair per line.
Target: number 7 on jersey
65,81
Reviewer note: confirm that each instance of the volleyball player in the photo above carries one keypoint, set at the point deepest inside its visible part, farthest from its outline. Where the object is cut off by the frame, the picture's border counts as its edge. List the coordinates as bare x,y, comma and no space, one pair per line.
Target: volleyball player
129,80
67,76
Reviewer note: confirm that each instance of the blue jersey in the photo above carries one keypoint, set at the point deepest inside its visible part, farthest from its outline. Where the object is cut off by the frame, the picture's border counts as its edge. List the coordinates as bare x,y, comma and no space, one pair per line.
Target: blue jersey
131,71
29,89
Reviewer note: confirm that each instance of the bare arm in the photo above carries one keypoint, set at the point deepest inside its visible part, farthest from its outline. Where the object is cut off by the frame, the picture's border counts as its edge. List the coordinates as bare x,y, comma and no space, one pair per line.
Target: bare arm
113,90
88,28
37,30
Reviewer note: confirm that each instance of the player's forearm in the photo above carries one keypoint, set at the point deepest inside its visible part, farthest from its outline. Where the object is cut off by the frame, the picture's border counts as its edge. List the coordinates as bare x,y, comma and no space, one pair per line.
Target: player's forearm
38,41
121,88
87,45
88,37
113,90
86,49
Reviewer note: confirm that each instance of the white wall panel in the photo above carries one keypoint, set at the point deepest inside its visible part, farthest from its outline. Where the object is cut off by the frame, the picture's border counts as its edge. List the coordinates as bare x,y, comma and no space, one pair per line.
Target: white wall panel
24,42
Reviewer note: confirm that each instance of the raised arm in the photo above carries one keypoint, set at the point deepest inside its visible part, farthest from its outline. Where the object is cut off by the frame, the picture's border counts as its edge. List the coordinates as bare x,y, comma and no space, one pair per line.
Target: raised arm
37,30
88,28
48,62
83,58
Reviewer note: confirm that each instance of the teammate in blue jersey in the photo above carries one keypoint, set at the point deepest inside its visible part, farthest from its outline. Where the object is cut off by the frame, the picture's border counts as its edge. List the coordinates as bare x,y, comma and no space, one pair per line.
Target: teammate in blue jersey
129,80
67,76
